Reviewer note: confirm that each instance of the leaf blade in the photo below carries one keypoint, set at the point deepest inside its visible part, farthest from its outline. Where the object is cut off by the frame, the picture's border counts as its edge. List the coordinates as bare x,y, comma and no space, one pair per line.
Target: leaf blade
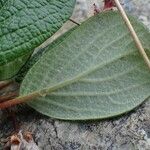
84,80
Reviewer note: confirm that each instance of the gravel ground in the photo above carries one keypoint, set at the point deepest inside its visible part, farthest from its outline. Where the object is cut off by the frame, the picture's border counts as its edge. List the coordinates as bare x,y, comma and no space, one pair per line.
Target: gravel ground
139,8
128,132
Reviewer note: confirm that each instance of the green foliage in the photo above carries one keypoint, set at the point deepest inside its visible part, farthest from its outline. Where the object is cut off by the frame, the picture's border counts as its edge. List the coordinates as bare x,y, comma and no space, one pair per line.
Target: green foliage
95,72
24,25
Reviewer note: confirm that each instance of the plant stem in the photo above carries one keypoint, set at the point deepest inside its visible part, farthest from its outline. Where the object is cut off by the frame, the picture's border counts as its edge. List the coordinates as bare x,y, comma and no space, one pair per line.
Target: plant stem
18,100
8,97
133,33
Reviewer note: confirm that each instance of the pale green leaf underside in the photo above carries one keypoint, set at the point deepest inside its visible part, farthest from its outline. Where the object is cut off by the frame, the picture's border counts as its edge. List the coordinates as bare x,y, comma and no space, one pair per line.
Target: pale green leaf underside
94,73
24,25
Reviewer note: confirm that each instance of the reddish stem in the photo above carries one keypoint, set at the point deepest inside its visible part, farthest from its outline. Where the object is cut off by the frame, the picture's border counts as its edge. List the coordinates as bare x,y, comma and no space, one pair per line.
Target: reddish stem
8,97
18,100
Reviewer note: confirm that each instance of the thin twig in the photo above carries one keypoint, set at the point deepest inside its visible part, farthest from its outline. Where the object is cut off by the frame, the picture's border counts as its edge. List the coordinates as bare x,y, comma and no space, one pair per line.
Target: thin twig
133,33
74,22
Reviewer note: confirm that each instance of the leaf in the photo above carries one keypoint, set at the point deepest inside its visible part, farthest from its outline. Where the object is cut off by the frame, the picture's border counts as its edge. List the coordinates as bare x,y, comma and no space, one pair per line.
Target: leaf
24,25
95,72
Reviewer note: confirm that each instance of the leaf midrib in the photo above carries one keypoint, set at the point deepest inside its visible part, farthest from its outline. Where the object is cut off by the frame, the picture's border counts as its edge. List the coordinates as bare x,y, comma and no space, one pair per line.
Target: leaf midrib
83,93
68,107
45,91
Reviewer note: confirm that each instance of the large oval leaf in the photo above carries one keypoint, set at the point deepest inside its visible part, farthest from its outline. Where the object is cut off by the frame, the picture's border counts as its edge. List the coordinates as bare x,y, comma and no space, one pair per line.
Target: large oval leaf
96,72
24,25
